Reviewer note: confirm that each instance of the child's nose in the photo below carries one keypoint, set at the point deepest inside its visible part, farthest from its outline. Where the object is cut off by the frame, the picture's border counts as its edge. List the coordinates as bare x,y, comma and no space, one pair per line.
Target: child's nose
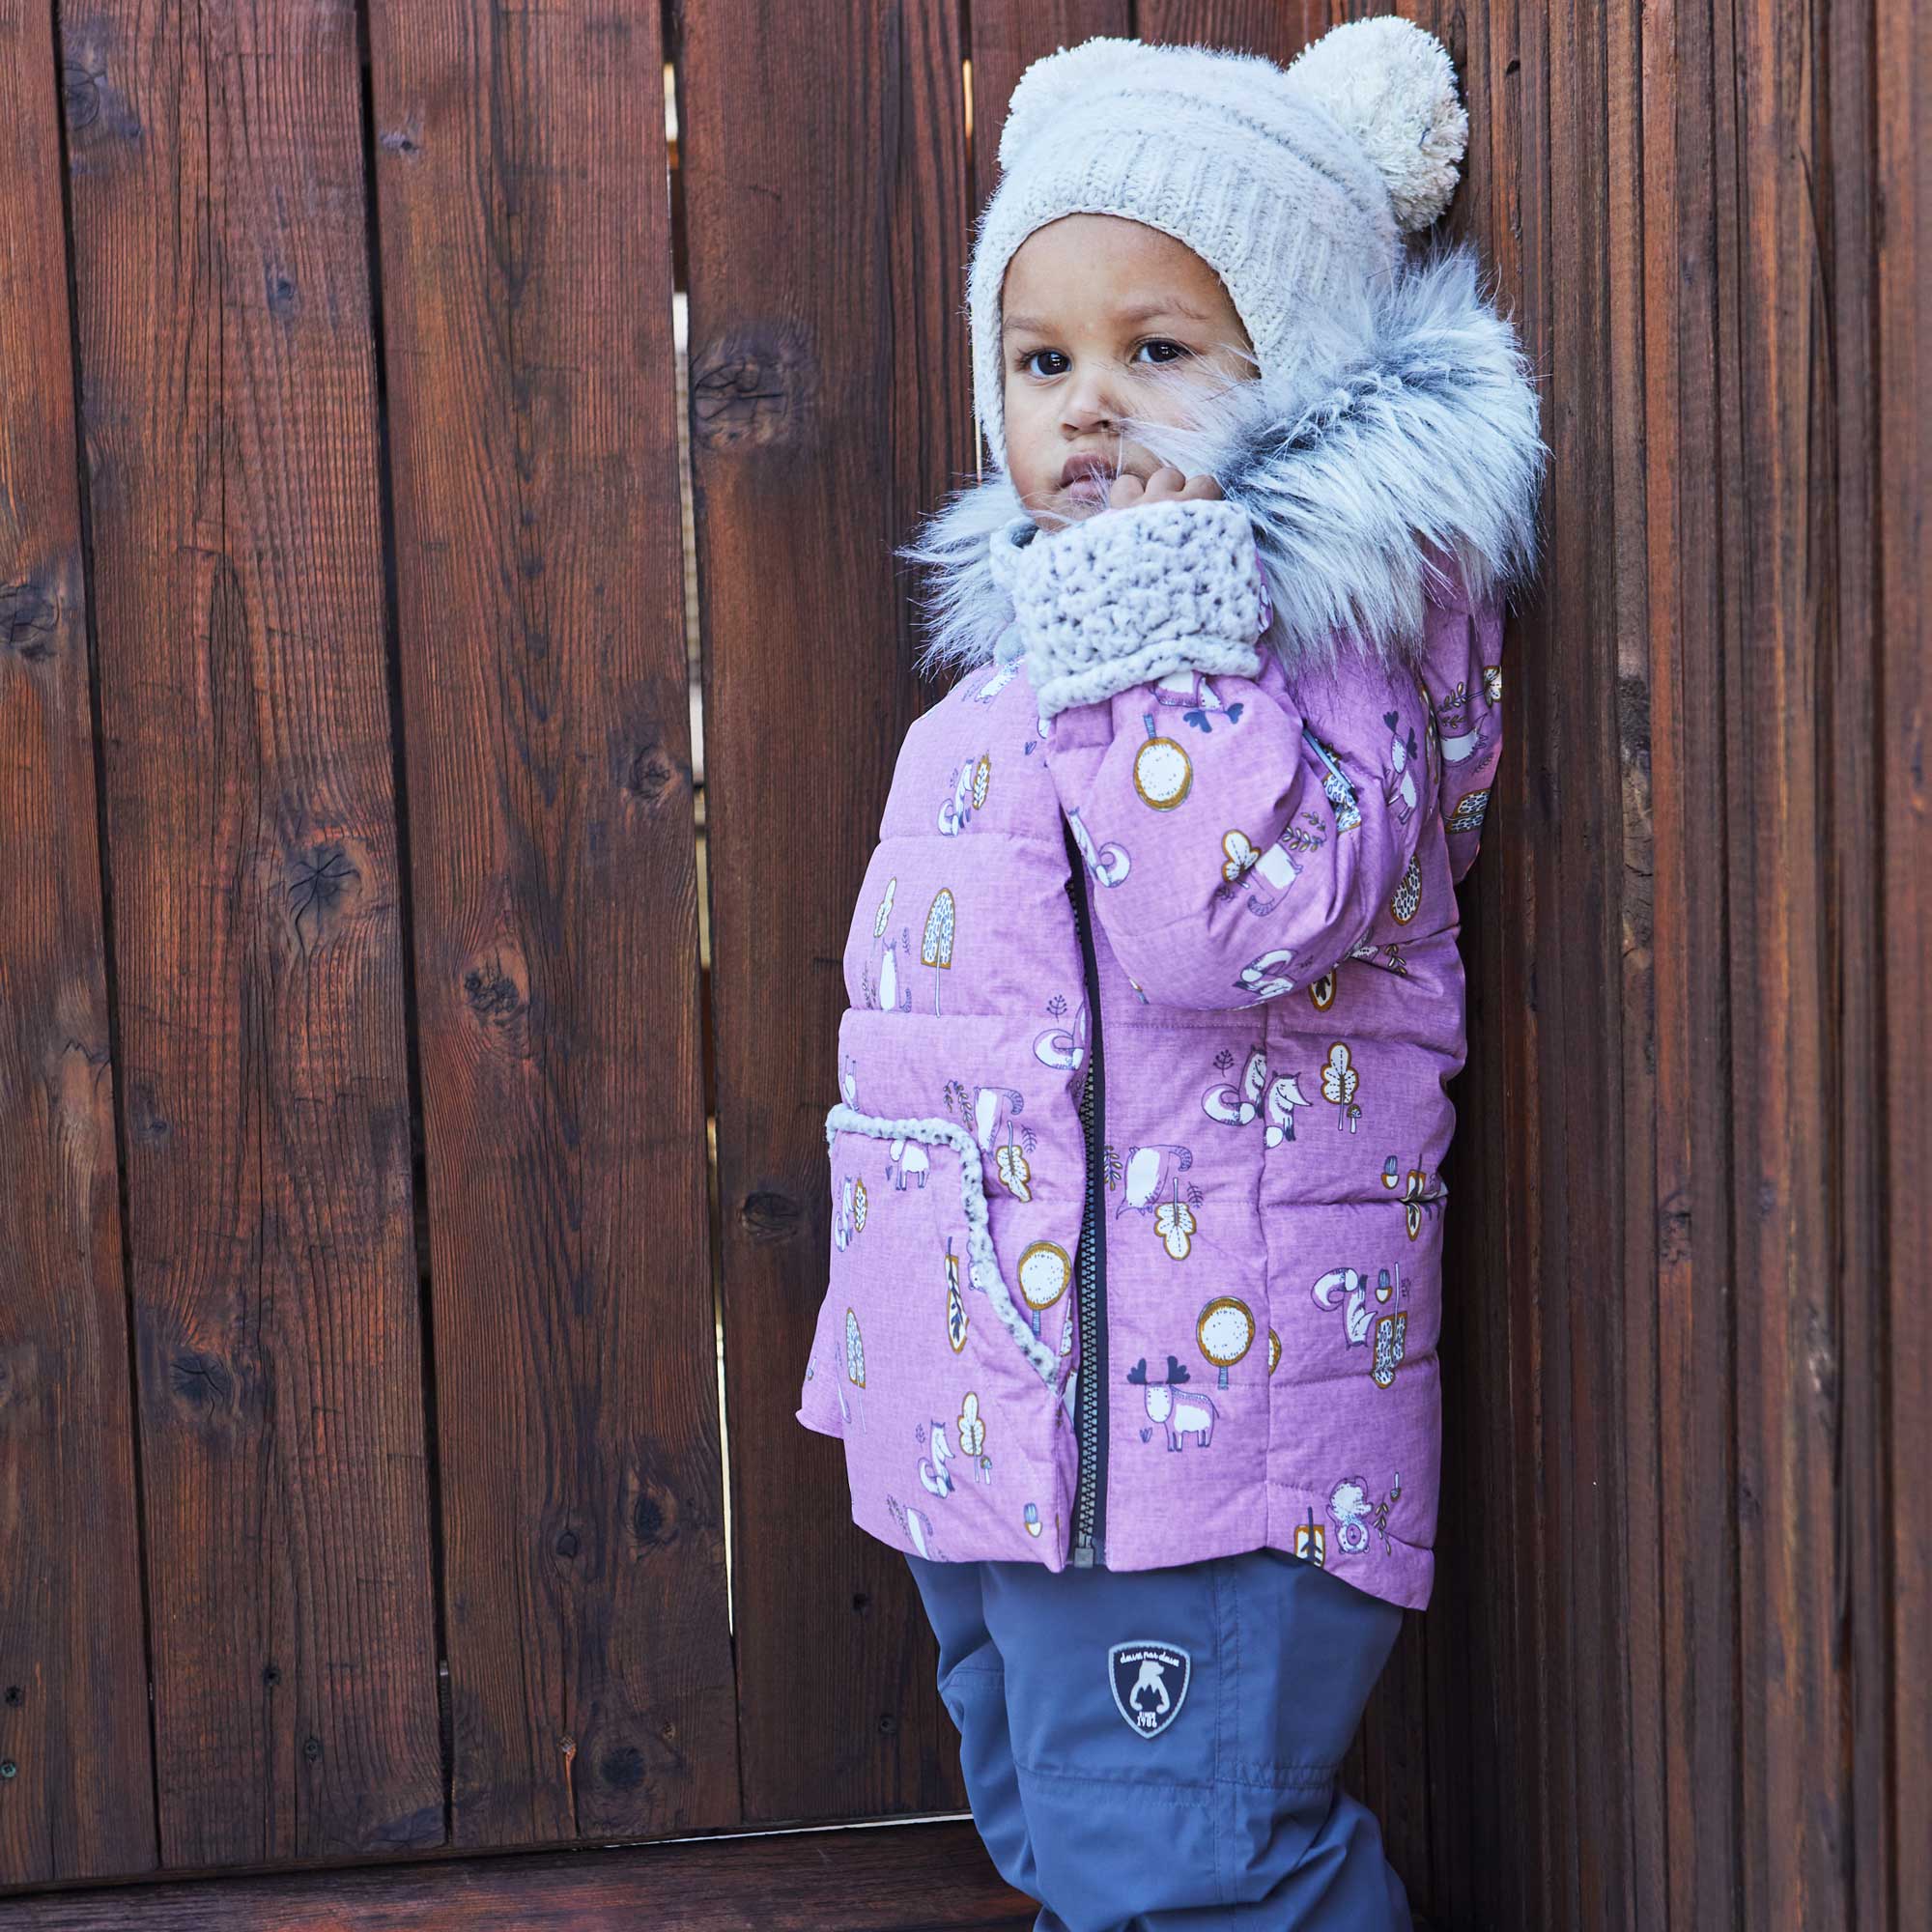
1090,401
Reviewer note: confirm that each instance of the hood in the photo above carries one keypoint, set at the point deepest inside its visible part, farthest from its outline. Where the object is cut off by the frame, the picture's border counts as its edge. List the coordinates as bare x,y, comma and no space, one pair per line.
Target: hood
1416,453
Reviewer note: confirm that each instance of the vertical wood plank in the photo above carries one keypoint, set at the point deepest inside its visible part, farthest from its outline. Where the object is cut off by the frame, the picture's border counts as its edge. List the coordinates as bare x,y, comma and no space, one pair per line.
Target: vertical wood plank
1791,1117
1696,1528
823,155
78,1800
1575,831
1628,180
522,169
1533,906
1487,1735
228,413
1844,409
1902,88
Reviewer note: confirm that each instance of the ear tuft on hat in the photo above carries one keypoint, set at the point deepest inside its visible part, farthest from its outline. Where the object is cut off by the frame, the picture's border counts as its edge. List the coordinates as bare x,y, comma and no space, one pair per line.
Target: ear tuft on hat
1054,80
1392,85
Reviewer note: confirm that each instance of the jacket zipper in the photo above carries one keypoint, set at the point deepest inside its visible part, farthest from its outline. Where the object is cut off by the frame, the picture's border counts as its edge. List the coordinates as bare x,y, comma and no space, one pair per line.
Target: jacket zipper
1090,1514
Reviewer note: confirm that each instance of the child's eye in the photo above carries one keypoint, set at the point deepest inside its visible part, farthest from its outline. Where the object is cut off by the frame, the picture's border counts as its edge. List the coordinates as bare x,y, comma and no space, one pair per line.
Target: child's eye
1033,355
1179,348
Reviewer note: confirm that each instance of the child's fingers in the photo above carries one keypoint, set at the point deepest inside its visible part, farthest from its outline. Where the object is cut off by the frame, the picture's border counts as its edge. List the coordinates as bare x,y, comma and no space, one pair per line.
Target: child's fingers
1167,485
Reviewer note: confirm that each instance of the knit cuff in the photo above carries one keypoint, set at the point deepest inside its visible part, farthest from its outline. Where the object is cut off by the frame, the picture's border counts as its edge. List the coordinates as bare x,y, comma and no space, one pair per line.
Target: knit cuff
1128,596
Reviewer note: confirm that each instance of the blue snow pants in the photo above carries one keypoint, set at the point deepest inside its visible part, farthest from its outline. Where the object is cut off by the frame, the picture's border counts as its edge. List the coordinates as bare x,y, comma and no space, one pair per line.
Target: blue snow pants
1147,1750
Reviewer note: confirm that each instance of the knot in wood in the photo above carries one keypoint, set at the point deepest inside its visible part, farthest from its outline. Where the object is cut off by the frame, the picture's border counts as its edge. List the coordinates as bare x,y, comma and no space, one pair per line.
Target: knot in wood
622,1769
202,1381
654,1519
323,882
496,989
80,95
768,1215
645,771
29,621
752,387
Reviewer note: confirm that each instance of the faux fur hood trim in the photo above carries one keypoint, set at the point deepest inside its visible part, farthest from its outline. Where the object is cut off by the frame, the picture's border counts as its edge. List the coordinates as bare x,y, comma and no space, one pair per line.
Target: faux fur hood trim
1423,439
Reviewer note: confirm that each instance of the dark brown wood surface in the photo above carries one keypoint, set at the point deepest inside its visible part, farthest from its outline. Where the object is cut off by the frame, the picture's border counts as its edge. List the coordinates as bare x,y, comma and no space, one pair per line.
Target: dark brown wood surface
1894,1695
892,1878
228,411
527,337
72,1645
356,454
823,160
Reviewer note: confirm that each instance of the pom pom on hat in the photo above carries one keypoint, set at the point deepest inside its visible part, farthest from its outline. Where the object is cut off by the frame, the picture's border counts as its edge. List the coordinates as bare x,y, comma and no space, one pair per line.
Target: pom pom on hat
1392,86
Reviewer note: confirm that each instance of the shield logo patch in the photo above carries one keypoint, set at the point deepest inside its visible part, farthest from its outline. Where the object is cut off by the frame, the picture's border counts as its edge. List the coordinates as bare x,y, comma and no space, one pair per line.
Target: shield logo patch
1149,1681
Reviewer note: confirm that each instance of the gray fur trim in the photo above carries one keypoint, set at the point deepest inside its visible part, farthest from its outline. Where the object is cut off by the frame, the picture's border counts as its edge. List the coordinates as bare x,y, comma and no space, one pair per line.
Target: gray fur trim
1426,434
983,1262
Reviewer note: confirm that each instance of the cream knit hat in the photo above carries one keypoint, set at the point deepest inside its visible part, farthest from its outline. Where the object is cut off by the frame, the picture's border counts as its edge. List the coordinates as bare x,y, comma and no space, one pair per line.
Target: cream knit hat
1293,185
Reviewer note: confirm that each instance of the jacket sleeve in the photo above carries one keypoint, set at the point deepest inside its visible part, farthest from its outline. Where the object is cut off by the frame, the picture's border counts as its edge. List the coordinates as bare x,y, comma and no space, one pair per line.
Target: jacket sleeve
1241,829
1470,714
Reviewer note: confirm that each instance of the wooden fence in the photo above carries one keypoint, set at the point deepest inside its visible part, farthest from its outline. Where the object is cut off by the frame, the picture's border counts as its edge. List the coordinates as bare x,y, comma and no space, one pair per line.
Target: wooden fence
363,1484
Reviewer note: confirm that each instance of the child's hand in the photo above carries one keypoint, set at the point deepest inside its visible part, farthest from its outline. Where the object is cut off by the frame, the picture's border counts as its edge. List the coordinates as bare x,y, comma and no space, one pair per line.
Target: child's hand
1167,485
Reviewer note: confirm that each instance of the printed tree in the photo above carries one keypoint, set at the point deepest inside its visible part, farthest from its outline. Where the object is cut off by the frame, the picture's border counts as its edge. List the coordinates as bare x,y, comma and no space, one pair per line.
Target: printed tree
1224,1333
1045,1270
1173,1222
956,1307
935,948
1339,1081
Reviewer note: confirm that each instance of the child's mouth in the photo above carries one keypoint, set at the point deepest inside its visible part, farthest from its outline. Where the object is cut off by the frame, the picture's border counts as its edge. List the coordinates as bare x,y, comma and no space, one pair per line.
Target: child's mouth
1087,479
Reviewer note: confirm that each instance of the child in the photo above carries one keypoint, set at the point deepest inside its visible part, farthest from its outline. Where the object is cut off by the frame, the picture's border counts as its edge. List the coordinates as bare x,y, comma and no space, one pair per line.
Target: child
1136,1183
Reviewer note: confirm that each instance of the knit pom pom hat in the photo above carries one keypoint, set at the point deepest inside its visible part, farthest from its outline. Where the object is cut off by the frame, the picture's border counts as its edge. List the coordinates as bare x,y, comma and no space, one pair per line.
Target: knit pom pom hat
1294,184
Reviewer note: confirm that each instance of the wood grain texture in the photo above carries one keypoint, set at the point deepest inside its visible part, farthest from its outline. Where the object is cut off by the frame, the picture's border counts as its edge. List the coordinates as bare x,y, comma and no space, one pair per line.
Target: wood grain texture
901,1878
527,278
1896,1691
228,413
1667,1678
823,158
1795,807
1902,513
75,1769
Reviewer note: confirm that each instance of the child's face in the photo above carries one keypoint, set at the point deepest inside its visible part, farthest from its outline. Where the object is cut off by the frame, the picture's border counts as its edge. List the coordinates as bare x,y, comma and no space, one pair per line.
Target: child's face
1103,318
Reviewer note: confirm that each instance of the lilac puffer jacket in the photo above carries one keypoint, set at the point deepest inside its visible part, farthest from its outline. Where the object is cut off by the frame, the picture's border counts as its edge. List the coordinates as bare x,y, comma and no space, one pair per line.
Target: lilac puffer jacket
1135,1179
